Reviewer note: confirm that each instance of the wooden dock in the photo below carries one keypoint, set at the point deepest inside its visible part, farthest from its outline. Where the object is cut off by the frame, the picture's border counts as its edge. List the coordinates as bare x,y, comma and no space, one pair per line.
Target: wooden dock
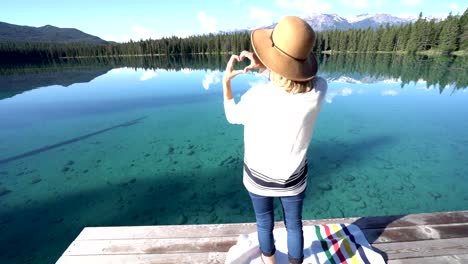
419,238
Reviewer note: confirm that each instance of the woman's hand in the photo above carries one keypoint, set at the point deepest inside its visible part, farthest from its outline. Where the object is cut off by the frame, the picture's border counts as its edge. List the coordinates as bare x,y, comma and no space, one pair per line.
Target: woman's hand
255,62
230,73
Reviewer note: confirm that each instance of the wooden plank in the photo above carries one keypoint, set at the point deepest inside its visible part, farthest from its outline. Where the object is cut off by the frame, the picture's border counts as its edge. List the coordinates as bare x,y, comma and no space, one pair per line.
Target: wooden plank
414,233
410,233
196,258
150,246
428,248
457,259
182,231
455,217
174,231
222,244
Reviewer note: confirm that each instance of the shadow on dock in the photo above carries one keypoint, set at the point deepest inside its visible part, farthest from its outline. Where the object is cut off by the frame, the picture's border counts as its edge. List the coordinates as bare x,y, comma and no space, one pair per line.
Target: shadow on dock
374,227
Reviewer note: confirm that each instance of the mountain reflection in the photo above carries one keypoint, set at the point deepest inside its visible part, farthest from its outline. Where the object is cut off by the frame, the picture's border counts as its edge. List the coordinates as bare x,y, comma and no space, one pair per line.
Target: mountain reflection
368,68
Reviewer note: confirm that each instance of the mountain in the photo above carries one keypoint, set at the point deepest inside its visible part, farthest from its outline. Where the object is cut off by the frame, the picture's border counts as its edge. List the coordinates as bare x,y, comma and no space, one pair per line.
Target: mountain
322,22
376,21
48,33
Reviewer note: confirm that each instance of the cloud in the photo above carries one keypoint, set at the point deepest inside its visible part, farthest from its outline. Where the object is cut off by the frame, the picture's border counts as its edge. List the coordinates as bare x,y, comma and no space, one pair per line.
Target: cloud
392,81
186,70
264,17
123,70
208,23
356,3
148,75
454,7
211,78
389,92
410,2
140,32
339,92
304,6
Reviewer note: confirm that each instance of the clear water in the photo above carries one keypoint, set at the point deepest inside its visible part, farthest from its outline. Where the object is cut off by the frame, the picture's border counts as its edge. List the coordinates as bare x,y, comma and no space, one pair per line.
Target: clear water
146,146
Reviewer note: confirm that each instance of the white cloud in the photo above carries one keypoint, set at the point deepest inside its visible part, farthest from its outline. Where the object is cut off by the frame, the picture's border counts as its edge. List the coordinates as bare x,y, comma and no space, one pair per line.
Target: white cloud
148,75
339,92
140,32
211,78
346,79
389,92
355,3
454,7
208,23
410,2
264,17
186,70
392,81
305,6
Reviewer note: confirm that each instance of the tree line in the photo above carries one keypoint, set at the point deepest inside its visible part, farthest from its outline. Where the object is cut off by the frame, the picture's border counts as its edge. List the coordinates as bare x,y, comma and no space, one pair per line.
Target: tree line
444,37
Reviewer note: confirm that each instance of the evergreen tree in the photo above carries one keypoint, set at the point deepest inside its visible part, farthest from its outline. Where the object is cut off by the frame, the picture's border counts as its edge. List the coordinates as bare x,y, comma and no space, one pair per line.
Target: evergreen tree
448,39
464,31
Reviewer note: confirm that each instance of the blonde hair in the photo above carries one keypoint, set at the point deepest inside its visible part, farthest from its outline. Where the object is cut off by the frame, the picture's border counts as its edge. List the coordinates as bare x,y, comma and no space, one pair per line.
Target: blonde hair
290,86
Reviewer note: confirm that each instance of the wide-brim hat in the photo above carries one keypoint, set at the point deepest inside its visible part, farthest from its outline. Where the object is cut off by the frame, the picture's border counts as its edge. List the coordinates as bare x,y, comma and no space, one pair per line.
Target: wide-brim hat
287,49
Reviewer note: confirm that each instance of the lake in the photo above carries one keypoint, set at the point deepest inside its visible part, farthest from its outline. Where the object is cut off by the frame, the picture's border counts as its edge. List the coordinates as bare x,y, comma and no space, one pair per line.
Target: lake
144,141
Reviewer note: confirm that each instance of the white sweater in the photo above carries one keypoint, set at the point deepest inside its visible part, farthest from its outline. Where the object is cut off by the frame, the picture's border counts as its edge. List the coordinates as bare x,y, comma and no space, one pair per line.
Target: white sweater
278,128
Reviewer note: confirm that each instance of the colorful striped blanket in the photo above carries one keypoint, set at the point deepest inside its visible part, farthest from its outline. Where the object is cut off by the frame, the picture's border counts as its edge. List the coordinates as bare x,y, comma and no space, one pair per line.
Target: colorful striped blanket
323,244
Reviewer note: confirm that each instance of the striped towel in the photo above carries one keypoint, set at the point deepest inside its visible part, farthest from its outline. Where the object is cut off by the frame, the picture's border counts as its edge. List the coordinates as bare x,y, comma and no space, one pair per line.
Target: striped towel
323,244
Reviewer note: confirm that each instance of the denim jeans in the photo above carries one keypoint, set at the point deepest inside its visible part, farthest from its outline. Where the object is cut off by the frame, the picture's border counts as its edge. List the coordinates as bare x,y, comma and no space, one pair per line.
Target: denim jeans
292,215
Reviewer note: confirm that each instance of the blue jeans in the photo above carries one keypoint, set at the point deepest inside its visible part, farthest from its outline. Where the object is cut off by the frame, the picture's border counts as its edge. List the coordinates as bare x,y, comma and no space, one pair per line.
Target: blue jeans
292,215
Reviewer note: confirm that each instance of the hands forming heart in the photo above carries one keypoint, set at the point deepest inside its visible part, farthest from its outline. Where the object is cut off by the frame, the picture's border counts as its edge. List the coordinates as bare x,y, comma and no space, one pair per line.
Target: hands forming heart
230,72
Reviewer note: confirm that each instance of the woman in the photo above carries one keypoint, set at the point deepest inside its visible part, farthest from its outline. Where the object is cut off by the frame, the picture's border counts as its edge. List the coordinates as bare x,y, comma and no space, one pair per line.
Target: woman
278,120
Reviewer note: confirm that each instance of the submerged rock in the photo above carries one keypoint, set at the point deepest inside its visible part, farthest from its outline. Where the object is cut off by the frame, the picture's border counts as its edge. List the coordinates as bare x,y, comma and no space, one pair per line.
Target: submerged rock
36,180
170,150
180,219
355,198
349,178
435,195
193,196
324,186
362,205
56,220
4,191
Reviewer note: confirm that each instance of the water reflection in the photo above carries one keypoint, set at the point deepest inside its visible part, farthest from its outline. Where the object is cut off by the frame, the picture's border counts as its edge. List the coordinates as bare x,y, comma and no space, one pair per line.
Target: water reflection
435,72
211,78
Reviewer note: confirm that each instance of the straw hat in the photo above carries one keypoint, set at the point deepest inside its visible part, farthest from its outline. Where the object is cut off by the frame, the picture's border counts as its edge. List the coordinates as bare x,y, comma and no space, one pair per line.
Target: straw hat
287,49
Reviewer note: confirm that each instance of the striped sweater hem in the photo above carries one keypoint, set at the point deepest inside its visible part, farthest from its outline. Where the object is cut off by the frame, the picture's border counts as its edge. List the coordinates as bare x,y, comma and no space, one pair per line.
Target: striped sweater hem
260,184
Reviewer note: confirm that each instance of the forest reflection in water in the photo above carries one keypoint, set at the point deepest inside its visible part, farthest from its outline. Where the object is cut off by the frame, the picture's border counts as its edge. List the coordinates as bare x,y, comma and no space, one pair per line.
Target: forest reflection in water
438,71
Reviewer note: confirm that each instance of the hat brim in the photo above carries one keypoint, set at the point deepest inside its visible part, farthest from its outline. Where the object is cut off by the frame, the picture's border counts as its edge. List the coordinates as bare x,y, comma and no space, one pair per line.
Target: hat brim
279,62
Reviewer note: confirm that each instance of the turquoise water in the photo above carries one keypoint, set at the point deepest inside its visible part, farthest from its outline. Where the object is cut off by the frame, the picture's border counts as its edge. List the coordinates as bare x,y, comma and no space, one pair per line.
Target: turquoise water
136,146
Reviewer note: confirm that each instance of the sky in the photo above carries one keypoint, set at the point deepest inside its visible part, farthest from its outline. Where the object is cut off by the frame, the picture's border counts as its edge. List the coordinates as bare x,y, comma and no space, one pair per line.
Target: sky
122,20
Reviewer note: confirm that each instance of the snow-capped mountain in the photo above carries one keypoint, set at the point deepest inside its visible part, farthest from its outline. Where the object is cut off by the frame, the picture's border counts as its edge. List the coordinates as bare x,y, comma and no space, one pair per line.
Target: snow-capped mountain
321,22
